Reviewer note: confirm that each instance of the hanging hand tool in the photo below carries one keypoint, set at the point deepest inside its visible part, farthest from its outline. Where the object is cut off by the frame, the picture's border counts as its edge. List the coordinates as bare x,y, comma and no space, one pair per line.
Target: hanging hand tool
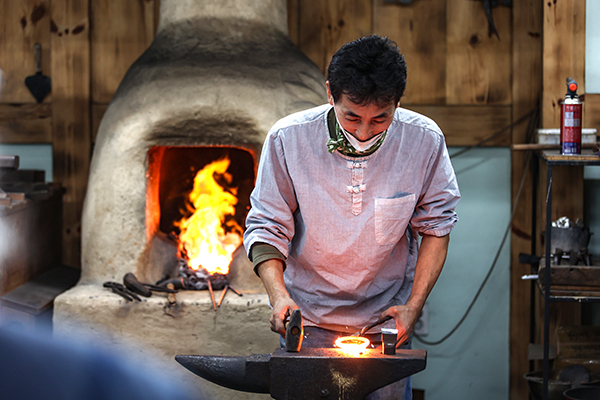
487,6
39,85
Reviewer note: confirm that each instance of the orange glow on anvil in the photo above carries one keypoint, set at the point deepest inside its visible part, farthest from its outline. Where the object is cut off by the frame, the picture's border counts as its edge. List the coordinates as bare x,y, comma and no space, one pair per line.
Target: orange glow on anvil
352,345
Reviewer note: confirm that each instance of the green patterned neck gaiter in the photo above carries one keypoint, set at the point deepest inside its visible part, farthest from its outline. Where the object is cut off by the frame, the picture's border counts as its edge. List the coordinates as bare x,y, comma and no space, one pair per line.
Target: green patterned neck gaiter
341,144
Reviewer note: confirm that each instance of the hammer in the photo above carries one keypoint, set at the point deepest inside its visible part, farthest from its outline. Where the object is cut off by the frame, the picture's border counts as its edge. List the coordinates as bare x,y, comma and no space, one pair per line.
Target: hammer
294,332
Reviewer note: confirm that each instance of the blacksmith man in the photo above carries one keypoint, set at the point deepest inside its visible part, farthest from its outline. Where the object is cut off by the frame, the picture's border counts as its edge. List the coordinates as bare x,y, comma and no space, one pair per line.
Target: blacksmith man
342,194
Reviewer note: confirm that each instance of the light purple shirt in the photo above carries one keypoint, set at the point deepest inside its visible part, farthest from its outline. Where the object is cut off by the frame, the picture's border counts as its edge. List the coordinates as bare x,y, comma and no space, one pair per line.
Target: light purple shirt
347,225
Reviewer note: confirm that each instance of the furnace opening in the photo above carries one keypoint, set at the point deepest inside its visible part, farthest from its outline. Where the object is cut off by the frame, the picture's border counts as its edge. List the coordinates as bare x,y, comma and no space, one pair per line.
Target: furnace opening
192,191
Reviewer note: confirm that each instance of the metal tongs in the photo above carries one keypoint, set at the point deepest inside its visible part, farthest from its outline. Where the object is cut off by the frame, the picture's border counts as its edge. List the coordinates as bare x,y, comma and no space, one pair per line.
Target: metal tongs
131,288
374,324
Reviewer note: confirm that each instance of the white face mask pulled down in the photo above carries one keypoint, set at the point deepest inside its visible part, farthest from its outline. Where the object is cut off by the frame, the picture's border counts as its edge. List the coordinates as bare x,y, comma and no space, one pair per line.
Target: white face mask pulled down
357,144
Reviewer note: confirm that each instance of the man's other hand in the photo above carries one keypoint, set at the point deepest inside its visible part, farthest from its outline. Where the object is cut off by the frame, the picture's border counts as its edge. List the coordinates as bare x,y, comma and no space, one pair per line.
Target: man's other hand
405,317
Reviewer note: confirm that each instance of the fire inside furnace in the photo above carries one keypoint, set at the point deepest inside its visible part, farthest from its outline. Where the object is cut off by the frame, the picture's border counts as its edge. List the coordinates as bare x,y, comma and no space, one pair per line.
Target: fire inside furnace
197,201
210,235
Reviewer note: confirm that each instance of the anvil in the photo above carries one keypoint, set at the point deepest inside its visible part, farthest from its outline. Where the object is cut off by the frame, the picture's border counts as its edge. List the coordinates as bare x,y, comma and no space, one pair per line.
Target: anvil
311,373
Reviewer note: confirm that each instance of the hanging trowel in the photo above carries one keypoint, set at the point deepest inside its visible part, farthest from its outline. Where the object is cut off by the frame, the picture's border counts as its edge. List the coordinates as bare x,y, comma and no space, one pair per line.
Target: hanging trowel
39,85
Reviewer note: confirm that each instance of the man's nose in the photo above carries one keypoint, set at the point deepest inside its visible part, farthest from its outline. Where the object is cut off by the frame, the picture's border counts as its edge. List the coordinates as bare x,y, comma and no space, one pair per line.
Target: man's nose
363,132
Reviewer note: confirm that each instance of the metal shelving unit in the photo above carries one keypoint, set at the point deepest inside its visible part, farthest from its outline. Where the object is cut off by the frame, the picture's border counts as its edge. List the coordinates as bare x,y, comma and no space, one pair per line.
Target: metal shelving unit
553,158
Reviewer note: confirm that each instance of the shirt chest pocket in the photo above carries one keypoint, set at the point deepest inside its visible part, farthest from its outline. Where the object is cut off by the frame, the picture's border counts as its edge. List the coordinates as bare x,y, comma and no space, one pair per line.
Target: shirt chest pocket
391,218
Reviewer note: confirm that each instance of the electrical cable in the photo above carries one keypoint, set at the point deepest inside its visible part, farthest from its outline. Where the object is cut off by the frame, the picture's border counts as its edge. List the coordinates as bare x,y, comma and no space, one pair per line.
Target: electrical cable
534,114
496,134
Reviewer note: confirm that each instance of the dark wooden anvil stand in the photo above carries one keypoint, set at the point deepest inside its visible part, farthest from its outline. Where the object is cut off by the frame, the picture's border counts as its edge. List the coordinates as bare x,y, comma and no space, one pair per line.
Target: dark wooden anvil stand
308,374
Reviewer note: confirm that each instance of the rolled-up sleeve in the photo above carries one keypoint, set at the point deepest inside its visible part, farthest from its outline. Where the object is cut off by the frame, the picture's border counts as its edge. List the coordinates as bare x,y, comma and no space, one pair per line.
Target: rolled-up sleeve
273,200
434,213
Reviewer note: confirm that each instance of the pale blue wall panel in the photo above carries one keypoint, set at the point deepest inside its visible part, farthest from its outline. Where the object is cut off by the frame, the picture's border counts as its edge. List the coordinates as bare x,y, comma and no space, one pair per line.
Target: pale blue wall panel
592,47
473,363
31,156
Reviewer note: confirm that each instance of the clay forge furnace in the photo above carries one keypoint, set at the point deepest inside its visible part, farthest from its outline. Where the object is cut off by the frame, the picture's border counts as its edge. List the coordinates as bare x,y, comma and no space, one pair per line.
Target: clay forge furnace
217,76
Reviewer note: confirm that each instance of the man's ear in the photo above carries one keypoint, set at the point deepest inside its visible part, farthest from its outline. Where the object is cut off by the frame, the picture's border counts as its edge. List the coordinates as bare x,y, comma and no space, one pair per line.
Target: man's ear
329,96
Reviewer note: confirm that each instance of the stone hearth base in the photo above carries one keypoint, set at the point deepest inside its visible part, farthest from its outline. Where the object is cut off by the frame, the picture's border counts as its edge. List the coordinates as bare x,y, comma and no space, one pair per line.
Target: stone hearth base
154,333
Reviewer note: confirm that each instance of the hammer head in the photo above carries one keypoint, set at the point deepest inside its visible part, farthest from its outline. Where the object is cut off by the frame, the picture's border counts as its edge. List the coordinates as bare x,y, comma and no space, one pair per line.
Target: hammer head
294,332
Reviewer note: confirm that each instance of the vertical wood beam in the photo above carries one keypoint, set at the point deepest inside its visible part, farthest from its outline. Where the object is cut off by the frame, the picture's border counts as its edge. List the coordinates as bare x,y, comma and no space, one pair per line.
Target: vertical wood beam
527,19
563,56
71,114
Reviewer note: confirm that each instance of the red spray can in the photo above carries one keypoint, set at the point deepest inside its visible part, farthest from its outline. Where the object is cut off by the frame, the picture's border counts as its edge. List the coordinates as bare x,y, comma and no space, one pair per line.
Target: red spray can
570,121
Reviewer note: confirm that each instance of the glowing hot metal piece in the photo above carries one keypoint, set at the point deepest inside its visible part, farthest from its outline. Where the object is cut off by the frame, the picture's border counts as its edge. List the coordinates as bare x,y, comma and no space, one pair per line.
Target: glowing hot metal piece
352,344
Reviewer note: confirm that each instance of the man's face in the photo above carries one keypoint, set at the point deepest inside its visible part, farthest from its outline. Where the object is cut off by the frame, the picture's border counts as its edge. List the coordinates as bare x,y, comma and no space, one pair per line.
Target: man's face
362,121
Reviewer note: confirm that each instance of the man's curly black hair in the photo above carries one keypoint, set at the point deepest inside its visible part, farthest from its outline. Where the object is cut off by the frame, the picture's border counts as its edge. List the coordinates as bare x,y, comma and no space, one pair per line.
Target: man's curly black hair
368,70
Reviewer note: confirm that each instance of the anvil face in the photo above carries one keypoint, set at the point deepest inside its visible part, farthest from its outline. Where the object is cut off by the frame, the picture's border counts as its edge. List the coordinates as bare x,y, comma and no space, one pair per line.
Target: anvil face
310,373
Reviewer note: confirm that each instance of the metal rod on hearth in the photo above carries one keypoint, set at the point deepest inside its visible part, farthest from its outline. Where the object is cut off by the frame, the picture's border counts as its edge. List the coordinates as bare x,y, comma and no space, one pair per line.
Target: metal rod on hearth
212,295
222,295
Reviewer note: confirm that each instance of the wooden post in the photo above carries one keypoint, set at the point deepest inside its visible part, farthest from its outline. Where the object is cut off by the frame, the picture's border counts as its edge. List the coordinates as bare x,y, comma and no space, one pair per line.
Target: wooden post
563,56
71,114
526,92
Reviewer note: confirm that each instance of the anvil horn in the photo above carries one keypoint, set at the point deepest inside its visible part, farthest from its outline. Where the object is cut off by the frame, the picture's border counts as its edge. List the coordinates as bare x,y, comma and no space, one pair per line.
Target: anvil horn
246,374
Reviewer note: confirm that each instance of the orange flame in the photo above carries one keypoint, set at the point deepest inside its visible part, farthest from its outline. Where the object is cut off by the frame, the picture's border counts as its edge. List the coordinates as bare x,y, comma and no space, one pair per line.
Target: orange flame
206,239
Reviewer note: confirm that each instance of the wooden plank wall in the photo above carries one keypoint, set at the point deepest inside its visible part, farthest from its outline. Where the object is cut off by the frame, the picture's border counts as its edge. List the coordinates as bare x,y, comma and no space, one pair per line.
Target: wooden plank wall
87,46
457,74
472,84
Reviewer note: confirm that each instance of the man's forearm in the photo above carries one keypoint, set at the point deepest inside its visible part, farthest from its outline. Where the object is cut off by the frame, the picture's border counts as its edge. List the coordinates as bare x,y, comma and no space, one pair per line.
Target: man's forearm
271,274
432,255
